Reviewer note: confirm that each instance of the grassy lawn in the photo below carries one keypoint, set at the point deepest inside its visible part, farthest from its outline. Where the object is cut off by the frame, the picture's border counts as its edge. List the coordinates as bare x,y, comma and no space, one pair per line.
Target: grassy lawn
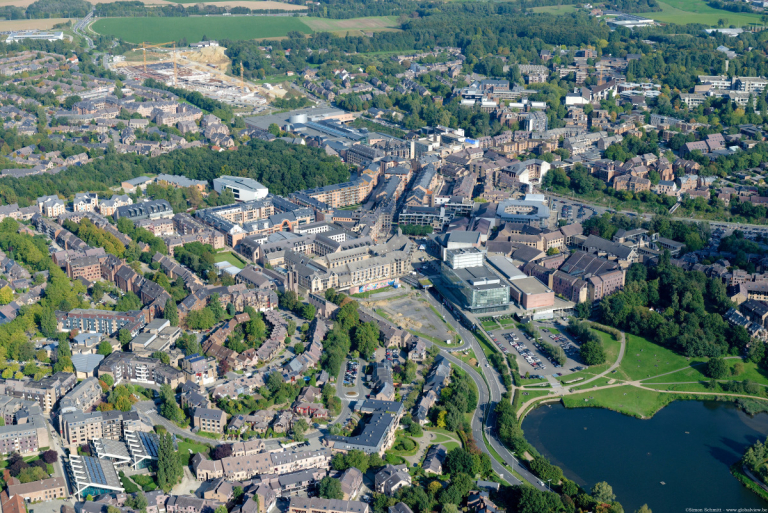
229,257
696,373
552,330
438,439
555,9
432,339
489,325
471,357
451,445
384,314
527,382
187,445
507,322
612,348
624,399
697,11
644,359
129,486
599,382
486,345
212,436
147,483
158,30
402,439
351,207
534,394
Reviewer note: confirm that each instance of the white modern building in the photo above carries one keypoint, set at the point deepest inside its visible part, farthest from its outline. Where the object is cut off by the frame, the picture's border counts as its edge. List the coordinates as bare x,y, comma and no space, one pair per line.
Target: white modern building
34,34
244,189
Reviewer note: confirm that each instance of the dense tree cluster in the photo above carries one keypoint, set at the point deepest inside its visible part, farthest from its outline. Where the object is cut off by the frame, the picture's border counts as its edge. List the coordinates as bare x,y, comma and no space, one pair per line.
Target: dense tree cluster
676,309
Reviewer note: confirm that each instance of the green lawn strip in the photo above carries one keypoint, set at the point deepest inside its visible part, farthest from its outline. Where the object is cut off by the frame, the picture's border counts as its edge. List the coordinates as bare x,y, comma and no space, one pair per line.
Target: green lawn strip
501,461
624,399
599,382
130,486
696,11
585,375
535,394
212,436
487,347
435,340
554,331
229,257
531,381
438,439
507,322
644,359
451,445
489,326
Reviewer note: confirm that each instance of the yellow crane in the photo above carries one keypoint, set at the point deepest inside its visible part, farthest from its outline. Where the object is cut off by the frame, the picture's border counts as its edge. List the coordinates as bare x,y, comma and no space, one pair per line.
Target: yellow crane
145,46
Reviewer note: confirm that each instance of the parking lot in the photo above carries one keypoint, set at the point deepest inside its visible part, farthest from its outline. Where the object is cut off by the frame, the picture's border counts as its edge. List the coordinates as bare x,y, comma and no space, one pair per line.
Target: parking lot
350,375
531,359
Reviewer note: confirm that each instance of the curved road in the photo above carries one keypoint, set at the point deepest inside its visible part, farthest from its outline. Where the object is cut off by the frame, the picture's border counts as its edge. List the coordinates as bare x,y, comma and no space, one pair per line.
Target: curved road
490,389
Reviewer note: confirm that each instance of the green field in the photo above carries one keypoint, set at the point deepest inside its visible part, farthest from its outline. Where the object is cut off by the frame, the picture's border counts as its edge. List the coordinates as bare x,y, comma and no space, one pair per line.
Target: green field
625,399
644,359
229,257
555,9
612,347
185,446
158,30
697,11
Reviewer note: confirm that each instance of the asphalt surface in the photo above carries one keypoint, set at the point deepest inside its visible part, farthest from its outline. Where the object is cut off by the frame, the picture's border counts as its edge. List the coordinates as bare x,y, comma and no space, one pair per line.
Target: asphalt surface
484,418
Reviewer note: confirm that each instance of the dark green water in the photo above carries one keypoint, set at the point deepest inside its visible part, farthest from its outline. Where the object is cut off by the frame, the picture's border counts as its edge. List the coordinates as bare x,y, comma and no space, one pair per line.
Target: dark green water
689,445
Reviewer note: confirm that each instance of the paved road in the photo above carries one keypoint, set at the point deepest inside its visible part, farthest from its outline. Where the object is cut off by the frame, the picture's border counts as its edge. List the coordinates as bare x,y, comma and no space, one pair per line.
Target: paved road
484,418
346,411
495,385
150,410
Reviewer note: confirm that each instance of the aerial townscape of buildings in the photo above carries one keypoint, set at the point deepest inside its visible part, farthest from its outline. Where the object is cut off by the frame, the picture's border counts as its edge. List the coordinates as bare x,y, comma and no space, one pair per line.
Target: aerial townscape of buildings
223,296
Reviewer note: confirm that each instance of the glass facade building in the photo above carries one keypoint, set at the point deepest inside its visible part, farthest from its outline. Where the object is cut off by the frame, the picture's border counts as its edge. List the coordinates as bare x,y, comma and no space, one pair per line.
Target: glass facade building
476,288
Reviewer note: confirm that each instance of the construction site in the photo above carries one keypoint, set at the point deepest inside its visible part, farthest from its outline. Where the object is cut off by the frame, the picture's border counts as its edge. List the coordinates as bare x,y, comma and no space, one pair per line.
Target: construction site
202,69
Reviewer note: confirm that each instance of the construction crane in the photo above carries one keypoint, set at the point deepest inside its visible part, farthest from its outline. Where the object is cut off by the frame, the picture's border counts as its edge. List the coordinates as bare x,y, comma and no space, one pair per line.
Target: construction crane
145,46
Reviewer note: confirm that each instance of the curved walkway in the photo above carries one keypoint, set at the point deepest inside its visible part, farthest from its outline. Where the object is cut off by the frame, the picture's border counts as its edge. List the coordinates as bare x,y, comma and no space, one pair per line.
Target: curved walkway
639,383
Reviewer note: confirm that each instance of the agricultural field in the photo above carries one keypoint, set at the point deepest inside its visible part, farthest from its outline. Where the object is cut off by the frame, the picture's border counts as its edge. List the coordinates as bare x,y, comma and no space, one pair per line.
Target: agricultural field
158,30
353,26
251,4
44,24
697,11
555,9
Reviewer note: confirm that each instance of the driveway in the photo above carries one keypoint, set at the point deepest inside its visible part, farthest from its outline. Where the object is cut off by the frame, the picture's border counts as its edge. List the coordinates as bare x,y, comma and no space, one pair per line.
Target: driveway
150,410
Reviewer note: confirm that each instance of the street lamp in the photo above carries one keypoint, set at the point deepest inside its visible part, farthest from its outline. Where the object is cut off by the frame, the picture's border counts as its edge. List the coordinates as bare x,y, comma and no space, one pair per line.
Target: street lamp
549,487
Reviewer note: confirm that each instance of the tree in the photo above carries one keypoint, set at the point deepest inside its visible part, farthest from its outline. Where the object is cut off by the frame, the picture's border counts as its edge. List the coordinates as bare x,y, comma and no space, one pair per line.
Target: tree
415,429
48,323
358,459
299,428
308,312
536,501
298,348
171,312
50,456
592,352
124,336
644,509
717,368
105,348
128,302
459,460
330,488
221,451
169,467
108,379
163,357
31,474
602,492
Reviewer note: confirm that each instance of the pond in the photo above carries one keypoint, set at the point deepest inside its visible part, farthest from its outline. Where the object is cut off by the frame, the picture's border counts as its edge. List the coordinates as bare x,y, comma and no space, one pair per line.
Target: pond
688,445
